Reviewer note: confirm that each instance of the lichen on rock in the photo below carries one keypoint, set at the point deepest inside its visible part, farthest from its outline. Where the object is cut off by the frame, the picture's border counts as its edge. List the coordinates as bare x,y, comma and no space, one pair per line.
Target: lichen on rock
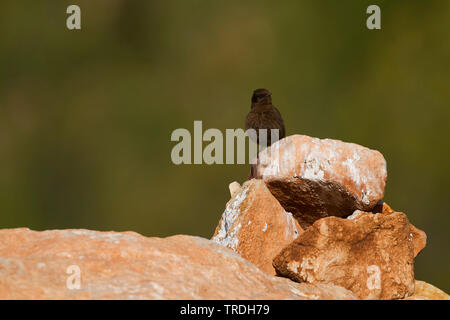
255,225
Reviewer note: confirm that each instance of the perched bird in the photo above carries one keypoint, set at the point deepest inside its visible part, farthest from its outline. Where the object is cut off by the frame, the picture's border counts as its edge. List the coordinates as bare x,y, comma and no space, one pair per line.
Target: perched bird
264,115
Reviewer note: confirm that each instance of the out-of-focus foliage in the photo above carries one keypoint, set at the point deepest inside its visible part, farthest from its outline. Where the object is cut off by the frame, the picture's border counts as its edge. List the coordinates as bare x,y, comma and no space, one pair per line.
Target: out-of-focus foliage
86,116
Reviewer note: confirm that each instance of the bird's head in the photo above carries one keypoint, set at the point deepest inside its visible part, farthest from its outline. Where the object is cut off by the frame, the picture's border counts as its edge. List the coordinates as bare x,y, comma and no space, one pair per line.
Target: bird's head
261,96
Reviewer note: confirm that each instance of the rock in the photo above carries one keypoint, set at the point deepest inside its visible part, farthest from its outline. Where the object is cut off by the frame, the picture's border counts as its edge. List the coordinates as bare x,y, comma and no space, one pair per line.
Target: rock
234,188
369,254
256,226
315,178
126,265
427,291
416,298
419,237
419,240
382,207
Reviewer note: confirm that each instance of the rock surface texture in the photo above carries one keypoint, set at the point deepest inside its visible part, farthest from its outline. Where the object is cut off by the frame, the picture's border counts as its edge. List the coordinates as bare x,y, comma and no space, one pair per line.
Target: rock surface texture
426,291
370,254
315,178
35,265
314,217
256,226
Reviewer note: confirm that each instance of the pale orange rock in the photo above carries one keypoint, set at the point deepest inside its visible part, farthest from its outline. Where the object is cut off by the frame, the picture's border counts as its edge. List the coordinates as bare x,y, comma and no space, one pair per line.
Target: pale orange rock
126,265
419,236
413,297
315,178
419,240
370,254
234,188
427,291
256,226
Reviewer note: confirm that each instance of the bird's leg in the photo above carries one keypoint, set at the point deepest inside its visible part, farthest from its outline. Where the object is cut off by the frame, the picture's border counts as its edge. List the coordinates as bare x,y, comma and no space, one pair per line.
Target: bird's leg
252,173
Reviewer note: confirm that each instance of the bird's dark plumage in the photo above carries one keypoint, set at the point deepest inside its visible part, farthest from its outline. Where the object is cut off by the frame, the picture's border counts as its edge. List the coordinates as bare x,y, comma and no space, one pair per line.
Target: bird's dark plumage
263,115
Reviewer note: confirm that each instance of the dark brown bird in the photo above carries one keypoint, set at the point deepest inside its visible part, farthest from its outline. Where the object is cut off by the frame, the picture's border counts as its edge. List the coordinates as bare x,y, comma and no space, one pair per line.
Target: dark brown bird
264,115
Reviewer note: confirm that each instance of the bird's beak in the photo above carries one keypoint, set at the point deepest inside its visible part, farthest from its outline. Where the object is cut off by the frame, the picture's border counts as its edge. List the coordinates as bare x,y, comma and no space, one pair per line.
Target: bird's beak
269,94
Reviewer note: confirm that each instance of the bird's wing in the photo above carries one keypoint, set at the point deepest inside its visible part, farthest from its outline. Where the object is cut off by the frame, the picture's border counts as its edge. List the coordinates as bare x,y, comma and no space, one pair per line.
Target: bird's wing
252,121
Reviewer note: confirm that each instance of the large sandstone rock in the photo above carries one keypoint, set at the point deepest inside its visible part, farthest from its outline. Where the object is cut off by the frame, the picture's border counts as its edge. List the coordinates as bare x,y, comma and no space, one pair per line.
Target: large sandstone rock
369,254
315,178
255,225
34,265
425,290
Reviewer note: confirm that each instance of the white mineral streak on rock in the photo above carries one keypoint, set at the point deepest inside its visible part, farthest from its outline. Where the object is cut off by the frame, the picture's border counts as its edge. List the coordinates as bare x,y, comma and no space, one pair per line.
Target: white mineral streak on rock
317,159
353,168
108,236
308,267
265,228
293,266
275,154
274,164
354,215
289,157
225,236
291,229
312,169
358,177
312,165
270,163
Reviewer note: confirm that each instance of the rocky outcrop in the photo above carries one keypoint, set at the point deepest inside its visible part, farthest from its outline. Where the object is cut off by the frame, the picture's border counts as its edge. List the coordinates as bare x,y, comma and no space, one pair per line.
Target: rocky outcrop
255,225
340,242
83,264
315,178
370,254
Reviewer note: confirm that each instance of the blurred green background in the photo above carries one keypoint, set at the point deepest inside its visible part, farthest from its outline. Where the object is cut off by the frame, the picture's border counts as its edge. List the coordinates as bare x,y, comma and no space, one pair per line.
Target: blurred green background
86,116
